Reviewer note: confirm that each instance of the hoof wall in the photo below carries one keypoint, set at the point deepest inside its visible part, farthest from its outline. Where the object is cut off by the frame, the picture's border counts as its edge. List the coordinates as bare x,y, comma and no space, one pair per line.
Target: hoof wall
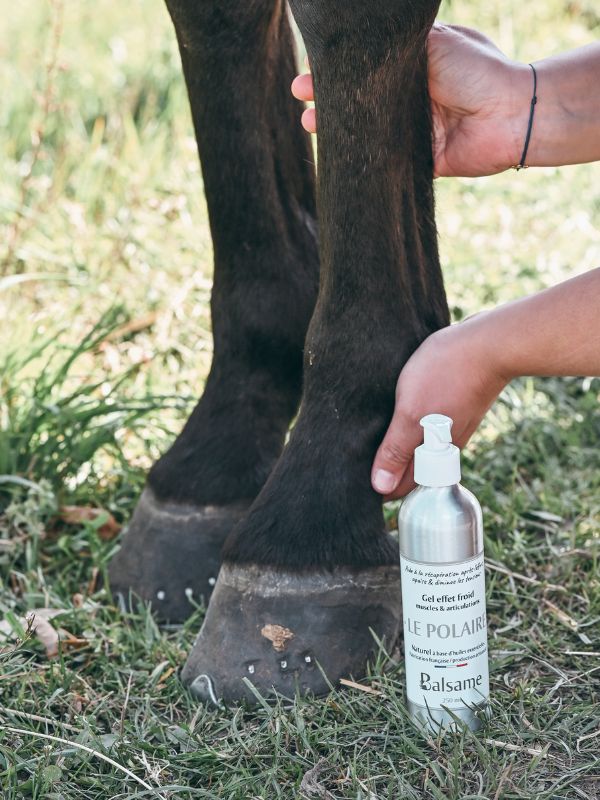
291,632
171,555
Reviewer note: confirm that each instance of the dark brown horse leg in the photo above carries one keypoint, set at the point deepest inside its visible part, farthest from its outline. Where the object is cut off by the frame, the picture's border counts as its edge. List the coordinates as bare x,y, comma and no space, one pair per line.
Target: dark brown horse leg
238,60
310,571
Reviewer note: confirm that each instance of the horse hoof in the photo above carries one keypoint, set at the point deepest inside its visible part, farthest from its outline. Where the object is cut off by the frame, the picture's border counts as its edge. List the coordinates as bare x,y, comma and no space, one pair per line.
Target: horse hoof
291,632
171,555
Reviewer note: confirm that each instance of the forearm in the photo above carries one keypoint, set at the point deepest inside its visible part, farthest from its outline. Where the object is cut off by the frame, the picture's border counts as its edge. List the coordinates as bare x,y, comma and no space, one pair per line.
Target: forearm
566,123
554,332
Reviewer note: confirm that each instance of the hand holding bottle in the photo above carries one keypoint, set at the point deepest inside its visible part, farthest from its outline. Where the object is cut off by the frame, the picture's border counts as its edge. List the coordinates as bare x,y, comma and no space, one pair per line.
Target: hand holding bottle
460,370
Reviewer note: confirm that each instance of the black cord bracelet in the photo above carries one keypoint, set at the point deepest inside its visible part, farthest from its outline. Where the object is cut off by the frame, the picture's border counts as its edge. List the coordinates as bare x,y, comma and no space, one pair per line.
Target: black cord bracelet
521,164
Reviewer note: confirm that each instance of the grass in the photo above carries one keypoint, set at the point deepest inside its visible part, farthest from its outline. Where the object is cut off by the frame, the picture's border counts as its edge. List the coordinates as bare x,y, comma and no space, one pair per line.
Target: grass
101,198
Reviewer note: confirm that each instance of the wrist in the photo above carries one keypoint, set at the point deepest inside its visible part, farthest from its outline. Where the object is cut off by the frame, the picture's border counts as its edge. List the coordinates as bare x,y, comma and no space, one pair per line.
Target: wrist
566,117
520,93
483,340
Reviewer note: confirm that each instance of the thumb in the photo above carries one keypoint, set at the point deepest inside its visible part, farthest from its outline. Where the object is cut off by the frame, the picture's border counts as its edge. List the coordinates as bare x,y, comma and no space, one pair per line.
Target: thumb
395,454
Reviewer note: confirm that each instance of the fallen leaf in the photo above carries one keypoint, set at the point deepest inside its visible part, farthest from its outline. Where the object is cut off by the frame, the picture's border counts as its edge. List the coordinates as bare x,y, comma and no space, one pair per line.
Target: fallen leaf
93,580
164,677
39,624
311,785
76,515
131,327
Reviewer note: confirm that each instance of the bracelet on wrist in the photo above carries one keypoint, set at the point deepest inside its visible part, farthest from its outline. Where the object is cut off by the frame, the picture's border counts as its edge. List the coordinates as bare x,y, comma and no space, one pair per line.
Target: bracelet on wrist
522,164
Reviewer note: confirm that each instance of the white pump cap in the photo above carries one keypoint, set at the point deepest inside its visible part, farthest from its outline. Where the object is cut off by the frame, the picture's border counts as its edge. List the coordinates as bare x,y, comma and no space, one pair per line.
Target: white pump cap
437,460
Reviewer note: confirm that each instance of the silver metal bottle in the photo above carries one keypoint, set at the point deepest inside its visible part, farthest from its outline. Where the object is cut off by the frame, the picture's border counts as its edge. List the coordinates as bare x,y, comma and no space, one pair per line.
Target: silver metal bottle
443,589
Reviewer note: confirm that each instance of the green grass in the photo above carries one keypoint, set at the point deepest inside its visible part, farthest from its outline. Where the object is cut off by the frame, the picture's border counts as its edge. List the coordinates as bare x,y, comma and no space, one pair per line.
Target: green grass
105,268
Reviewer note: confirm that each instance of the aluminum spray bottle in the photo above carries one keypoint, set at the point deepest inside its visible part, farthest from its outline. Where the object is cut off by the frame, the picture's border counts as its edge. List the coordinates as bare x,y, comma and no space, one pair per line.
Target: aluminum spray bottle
443,588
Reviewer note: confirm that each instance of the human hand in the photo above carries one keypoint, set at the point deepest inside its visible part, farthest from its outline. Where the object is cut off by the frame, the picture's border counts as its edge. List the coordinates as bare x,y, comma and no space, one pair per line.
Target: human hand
453,372
479,102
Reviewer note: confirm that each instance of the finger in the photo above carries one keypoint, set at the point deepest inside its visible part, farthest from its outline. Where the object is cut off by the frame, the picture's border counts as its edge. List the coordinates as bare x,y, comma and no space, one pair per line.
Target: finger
309,120
394,455
407,482
302,87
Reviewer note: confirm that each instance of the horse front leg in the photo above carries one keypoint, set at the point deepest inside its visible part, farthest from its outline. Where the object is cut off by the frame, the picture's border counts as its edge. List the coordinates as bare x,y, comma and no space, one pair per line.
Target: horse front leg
257,164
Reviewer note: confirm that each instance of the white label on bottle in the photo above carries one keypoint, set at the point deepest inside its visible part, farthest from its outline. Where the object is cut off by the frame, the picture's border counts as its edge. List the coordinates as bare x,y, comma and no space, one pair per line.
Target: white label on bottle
445,633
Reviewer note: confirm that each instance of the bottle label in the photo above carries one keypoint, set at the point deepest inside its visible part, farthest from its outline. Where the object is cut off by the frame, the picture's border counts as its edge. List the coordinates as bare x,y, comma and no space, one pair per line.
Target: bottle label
445,633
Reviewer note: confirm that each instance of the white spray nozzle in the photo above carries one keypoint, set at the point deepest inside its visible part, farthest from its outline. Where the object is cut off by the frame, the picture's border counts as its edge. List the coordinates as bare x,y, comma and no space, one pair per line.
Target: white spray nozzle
437,460
437,431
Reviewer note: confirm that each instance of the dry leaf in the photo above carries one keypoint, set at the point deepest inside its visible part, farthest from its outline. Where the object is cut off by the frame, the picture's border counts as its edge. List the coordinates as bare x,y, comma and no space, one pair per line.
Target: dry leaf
76,515
163,678
311,785
91,588
39,623
132,327
70,642
277,635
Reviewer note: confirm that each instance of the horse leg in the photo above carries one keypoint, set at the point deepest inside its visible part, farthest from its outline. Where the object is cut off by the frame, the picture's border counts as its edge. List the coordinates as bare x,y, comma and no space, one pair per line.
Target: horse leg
310,571
238,60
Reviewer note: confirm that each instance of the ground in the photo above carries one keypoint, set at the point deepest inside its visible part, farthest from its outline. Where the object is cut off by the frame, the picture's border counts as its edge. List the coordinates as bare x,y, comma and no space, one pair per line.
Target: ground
105,262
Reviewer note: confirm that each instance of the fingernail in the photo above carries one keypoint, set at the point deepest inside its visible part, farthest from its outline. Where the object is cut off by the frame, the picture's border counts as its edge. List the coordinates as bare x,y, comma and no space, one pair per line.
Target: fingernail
384,481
